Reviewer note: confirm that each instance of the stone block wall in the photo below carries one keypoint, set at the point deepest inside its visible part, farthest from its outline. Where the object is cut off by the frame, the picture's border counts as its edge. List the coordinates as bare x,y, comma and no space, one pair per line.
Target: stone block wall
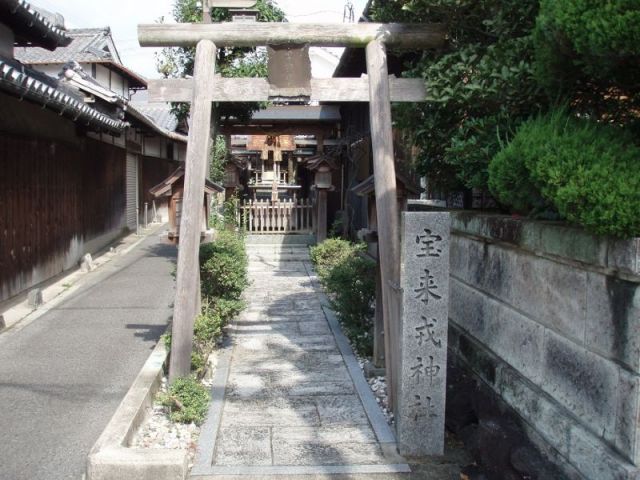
547,318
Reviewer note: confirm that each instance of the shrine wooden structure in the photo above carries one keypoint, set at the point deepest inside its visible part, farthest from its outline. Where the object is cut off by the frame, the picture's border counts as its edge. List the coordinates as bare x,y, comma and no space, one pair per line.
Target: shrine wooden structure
206,87
173,188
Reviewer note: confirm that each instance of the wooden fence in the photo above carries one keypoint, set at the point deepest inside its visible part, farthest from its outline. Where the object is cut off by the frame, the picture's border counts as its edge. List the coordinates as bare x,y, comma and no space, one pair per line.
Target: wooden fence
287,216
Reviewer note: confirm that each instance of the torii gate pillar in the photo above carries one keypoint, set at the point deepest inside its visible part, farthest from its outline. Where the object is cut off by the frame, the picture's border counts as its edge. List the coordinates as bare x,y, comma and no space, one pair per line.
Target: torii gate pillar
386,203
188,278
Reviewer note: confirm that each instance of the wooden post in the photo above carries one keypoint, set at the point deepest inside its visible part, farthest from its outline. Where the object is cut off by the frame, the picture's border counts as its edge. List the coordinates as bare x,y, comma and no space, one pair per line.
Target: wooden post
378,324
292,179
322,215
386,203
314,214
187,283
320,208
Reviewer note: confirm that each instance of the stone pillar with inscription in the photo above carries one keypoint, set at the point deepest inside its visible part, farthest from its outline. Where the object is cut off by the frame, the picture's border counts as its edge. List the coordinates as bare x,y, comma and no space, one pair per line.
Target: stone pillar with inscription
420,403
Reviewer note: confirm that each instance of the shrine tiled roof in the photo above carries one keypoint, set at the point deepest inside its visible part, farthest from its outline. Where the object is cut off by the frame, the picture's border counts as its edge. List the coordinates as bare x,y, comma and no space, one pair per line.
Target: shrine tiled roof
298,113
164,188
367,186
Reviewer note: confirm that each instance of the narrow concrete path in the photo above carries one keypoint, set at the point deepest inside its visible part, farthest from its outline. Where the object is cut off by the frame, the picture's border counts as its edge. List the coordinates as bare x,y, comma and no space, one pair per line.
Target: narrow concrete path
289,398
63,375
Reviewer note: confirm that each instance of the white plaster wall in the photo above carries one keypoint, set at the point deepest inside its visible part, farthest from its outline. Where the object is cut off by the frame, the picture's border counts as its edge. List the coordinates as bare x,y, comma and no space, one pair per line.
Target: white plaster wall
323,62
49,69
102,75
117,84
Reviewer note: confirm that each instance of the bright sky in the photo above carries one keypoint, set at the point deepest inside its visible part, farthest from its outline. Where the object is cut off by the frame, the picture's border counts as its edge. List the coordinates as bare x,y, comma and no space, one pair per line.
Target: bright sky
123,16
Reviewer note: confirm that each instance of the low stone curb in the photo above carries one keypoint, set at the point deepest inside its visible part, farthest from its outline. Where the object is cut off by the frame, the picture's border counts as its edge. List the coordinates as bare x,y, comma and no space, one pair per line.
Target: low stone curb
111,459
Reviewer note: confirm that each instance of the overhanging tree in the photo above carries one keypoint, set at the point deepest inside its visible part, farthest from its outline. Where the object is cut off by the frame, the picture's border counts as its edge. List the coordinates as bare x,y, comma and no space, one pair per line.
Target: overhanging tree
588,53
480,88
507,61
178,62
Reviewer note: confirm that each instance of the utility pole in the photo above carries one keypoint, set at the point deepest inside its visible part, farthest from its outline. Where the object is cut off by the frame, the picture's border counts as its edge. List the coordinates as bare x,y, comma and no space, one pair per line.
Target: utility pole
349,15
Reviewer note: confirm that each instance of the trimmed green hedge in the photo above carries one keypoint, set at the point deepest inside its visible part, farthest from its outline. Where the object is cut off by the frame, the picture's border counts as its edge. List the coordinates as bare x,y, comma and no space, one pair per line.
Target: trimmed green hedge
223,272
223,267
331,252
588,172
349,279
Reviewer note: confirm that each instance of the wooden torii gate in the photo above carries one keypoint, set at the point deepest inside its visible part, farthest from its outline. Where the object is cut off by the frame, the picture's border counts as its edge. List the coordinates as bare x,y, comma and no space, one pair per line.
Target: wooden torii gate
206,87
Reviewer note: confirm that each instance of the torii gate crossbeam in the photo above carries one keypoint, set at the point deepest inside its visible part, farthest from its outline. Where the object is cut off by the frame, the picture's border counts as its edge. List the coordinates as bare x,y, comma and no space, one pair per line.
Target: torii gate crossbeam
396,35
206,88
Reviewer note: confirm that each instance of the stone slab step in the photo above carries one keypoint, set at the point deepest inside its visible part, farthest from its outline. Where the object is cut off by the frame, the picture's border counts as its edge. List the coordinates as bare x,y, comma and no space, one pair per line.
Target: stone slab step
277,248
281,239
285,257
275,254
336,472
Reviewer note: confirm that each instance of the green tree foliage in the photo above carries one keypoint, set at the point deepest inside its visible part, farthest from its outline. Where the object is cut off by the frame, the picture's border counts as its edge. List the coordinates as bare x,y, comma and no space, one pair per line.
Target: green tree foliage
588,171
510,61
218,160
232,62
589,52
480,87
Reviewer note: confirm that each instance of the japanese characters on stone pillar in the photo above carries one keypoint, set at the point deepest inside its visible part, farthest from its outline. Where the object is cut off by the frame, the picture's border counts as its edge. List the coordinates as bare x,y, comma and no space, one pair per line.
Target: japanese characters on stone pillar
425,314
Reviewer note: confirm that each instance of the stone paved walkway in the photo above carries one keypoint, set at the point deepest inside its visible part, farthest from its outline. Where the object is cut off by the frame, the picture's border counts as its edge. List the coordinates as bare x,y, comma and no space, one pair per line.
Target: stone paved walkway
289,397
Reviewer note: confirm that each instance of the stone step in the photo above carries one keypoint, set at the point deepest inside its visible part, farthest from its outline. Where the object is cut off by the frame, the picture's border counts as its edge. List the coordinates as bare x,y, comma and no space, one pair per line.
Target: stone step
384,472
280,239
272,257
303,255
277,249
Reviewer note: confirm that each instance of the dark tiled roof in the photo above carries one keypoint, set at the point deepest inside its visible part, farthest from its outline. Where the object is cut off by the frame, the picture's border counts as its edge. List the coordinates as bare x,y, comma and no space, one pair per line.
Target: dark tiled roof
164,187
159,114
367,186
298,113
315,162
134,112
28,84
89,45
30,26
